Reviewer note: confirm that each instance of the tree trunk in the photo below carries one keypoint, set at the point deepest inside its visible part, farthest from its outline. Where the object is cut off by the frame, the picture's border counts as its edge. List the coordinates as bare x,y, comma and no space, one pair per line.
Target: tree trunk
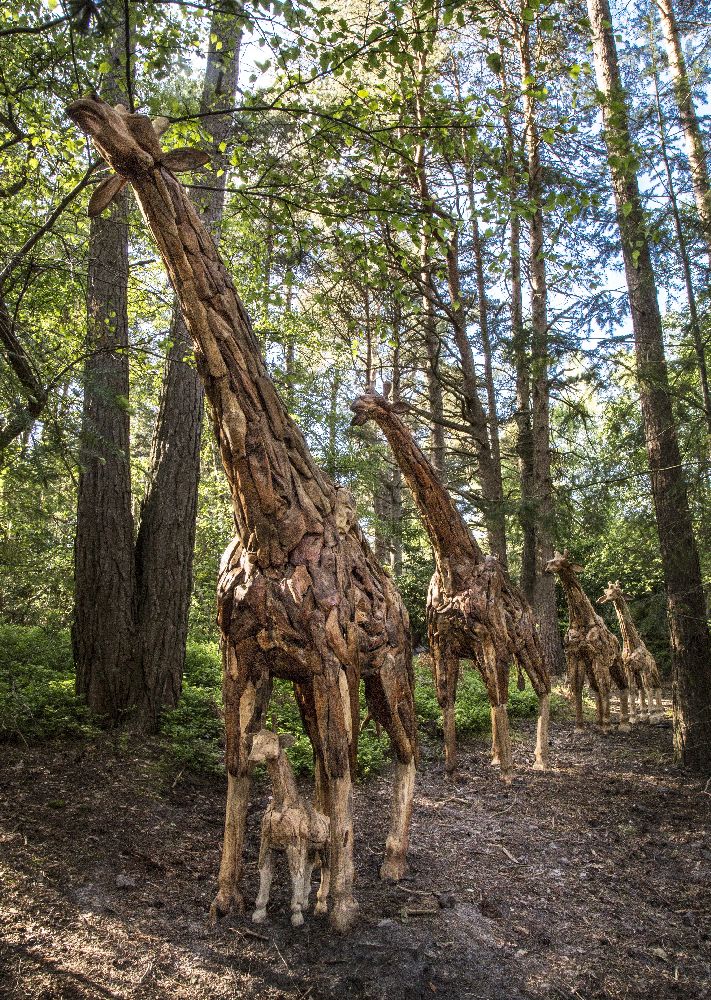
687,116
690,640
520,347
694,325
103,628
432,346
489,473
166,537
544,600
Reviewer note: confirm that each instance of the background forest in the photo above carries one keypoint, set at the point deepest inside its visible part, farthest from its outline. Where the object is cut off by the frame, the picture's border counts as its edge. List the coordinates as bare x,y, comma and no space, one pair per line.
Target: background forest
411,195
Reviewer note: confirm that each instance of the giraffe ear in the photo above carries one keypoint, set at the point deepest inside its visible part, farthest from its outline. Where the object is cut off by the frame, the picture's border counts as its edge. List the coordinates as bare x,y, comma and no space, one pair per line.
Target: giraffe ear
577,568
105,194
180,160
286,740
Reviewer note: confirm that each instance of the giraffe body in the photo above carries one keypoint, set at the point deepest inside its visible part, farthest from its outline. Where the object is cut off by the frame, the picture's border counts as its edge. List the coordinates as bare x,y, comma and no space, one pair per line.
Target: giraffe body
300,595
473,610
592,652
641,665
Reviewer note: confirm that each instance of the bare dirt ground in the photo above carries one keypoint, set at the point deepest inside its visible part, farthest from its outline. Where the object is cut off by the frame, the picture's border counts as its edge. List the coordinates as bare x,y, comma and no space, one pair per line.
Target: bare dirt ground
591,880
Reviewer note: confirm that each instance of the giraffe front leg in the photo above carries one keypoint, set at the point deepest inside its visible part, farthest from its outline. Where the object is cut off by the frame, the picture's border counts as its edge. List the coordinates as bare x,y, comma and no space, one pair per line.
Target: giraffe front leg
266,872
245,707
624,726
542,740
656,696
445,668
324,886
296,858
345,909
576,679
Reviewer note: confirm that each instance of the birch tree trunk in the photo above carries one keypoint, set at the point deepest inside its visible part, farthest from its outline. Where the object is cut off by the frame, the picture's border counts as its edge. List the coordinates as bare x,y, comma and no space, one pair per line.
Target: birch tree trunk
166,537
691,644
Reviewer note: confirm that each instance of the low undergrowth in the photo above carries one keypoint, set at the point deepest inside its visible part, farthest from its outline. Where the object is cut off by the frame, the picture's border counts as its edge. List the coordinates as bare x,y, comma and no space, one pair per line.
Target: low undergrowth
38,702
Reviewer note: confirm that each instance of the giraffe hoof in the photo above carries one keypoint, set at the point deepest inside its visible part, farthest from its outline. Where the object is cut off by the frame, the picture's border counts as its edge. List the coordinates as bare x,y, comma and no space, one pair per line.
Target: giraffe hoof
579,730
540,765
321,909
393,869
343,915
624,727
297,919
259,916
224,902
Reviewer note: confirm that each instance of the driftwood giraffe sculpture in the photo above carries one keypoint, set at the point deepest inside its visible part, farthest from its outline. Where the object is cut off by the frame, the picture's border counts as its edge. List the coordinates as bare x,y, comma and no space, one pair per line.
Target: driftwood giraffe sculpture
290,826
473,609
300,595
641,665
591,650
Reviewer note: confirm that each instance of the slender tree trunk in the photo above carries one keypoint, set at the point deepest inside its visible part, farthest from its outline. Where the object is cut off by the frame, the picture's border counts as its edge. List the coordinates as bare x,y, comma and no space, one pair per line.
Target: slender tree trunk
103,629
166,537
544,601
687,116
432,346
396,477
694,325
520,347
691,643
489,473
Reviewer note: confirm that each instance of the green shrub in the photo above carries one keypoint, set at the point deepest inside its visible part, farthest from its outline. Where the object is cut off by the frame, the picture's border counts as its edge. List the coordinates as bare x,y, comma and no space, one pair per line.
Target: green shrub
193,731
37,699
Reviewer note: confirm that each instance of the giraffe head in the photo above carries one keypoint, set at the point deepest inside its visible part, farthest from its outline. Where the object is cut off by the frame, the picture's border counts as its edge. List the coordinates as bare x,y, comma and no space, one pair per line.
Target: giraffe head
613,592
130,144
267,746
371,403
562,565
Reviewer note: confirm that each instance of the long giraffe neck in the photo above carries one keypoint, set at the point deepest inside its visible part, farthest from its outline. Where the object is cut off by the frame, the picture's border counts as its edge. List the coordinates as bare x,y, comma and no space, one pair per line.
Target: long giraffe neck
278,493
281,775
631,639
580,610
450,537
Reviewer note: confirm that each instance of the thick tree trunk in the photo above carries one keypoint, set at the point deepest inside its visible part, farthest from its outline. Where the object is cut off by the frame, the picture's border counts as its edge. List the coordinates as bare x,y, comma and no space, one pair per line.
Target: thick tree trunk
544,600
687,116
103,629
166,537
520,347
691,644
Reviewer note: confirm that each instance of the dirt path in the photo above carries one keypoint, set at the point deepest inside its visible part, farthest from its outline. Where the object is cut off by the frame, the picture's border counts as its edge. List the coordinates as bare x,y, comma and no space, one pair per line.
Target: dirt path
592,880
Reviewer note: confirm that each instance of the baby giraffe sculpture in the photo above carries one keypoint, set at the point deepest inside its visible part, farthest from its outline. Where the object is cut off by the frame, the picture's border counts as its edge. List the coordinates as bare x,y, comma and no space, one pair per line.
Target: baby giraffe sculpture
290,826
300,594
591,650
640,663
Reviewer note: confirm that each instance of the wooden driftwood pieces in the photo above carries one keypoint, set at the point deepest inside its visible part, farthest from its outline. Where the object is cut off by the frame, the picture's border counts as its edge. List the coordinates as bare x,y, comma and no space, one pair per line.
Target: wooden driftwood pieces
591,650
300,595
291,826
473,609
641,666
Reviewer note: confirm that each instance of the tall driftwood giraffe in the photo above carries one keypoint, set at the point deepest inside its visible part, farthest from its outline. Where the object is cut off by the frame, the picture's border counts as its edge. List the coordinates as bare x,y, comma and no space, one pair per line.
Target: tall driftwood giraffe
473,609
300,595
591,650
641,666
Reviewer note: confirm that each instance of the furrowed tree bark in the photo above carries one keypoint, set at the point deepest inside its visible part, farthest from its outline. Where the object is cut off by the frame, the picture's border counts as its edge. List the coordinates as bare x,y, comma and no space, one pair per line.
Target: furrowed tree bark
103,635
691,644
544,599
688,118
166,536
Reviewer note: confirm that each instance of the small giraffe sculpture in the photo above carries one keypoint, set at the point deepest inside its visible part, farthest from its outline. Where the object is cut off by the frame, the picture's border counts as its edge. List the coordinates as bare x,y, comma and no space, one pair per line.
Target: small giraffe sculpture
641,665
300,594
290,826
473,609
591,650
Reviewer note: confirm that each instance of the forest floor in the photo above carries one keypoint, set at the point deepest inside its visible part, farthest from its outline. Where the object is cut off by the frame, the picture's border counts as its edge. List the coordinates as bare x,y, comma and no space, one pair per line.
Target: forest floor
591,880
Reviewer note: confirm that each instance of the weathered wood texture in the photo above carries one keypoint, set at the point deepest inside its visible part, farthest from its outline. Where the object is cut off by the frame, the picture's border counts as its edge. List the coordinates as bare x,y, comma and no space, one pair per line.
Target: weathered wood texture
300,595
641,666
473,609
591,650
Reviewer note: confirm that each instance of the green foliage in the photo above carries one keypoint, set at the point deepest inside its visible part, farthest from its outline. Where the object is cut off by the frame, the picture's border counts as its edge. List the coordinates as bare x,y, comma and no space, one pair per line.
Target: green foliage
37,699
